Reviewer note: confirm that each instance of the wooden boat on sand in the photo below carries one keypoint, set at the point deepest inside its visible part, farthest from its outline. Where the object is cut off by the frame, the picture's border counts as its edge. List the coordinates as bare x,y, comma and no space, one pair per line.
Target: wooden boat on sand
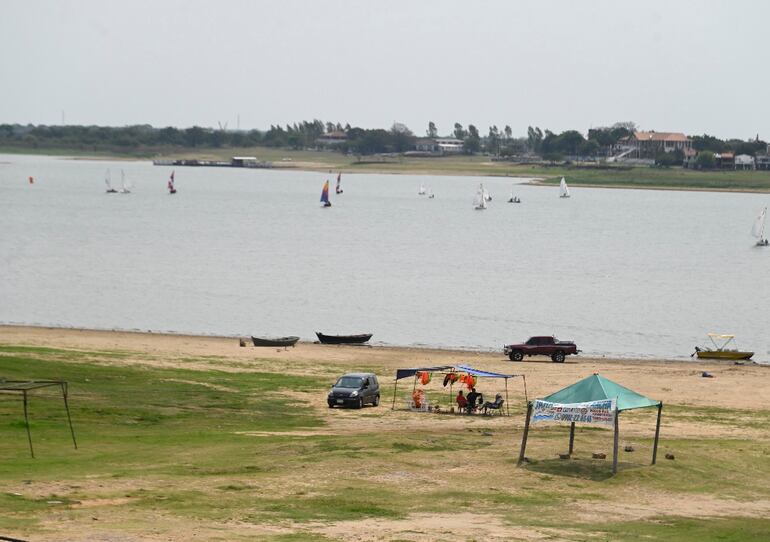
275,341
343,339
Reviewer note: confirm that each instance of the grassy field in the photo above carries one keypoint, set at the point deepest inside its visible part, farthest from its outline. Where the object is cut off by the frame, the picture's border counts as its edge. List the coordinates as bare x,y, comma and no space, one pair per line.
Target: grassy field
625,177
181,446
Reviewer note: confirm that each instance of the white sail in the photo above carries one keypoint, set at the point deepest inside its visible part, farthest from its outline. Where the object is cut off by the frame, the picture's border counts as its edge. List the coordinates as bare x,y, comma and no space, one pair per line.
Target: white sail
480,201
125,187
421,191
107,180
758,230
487,197
563,189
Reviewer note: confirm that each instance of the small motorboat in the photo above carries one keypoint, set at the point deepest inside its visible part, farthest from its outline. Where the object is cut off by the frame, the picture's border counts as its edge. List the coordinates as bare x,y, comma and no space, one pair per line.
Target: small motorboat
720,349
275,341
343,339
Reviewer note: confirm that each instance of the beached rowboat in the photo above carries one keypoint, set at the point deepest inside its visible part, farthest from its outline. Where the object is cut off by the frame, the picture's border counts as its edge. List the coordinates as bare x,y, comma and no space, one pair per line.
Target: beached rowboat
343,339
276,341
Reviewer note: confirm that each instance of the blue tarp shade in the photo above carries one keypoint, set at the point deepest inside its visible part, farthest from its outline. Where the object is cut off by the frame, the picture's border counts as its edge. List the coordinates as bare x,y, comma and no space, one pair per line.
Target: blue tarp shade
596,388
476,372
405,373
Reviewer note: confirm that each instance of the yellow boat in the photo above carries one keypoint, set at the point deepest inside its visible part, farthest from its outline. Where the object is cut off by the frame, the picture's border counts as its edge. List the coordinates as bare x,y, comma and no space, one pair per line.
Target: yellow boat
721,350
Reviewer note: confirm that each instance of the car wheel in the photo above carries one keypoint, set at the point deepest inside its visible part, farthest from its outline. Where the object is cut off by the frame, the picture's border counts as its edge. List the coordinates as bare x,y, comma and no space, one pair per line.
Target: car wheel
376,401
360,402
330,405
516,355
558,357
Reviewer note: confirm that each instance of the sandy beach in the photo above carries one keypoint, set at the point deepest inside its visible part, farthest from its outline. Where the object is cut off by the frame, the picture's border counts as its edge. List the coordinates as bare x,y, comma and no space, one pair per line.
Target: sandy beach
678,384
665,380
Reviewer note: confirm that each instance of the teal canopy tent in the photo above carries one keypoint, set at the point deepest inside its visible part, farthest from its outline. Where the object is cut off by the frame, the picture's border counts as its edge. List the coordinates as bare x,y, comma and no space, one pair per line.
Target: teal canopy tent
591,389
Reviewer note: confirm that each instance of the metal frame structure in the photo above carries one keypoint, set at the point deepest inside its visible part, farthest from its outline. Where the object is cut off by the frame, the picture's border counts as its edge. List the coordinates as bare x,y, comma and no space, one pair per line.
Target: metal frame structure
456,369
24,387
616,436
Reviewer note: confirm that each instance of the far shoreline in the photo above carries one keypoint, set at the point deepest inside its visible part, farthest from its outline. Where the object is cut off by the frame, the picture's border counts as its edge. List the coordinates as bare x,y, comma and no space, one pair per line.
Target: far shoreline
138,335
613,177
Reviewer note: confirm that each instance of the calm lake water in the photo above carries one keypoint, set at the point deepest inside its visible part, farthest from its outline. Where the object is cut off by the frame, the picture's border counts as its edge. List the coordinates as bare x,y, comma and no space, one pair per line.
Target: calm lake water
239,252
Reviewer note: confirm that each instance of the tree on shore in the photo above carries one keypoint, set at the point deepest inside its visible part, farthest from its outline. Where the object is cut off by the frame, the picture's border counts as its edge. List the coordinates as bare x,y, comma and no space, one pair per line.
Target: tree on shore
472,143
459,133
431,132
534,139
705,160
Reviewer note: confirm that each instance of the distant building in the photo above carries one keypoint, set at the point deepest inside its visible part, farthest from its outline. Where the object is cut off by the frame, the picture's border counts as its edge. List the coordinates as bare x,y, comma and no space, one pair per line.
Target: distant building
244,161
439,145
649,144
331,139
762,161
744,161
724,160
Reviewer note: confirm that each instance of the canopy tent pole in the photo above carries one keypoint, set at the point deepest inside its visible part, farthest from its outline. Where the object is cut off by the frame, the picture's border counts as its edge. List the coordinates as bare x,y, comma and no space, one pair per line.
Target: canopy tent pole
67,408
507,402
395,385
657,434
525,388
524,435
26,422
615,443
451,383
571,437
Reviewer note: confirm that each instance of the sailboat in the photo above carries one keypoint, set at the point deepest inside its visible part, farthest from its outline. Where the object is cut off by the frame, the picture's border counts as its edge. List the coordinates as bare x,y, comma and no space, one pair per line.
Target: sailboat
487,197
325,195
171,187
124,188
513,199
758,230
431,195
563,189
108,182
480,202
421,191
338,189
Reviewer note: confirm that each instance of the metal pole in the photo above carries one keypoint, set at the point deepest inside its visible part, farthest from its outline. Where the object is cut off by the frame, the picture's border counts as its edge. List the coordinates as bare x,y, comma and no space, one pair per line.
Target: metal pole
615,444
525,388
657,434
571,437
395,385
524,436
26,421
67,408
507,402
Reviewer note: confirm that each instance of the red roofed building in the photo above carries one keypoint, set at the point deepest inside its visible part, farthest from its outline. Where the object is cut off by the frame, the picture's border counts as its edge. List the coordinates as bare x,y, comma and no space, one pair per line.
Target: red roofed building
649,144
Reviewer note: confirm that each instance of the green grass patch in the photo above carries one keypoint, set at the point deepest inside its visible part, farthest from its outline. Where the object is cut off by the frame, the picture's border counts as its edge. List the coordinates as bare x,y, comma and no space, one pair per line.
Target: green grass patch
685,530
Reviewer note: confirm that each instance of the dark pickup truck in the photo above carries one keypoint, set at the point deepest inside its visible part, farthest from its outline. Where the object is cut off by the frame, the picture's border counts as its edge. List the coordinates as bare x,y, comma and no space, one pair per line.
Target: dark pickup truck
541,346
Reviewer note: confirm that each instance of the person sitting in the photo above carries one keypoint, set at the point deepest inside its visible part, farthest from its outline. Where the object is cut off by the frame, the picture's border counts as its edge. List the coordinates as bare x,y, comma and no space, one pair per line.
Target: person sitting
474,400
493,406
461,401
418,399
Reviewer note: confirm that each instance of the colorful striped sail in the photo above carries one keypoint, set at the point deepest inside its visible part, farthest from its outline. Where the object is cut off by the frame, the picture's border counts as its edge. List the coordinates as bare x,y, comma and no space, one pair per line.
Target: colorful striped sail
325,192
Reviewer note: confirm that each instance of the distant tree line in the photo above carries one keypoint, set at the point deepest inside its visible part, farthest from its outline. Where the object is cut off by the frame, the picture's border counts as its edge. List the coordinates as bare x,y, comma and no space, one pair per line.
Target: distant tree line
549,145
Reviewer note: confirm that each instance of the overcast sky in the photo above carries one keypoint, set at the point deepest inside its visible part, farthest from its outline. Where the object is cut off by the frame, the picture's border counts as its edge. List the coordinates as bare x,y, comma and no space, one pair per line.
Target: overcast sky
669,66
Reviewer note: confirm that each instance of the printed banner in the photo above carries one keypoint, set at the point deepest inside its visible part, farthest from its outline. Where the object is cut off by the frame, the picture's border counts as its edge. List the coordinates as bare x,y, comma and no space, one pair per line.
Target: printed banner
602,412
